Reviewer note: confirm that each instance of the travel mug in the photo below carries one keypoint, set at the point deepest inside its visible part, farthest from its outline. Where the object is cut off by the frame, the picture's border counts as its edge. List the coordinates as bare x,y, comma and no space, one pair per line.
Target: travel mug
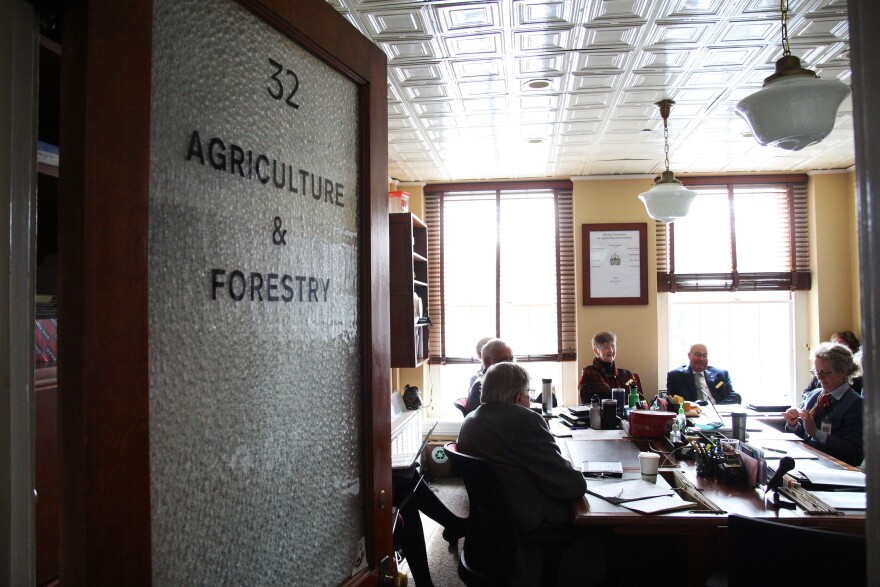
739,425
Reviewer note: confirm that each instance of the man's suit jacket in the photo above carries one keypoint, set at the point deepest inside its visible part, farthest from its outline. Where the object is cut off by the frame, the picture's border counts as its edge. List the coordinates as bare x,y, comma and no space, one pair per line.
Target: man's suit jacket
681,382
541,483
845,416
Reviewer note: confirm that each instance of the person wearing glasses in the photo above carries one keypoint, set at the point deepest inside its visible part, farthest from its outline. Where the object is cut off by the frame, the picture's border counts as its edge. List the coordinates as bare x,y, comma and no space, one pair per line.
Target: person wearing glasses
830,419
848,338
603,375
699,381
494,351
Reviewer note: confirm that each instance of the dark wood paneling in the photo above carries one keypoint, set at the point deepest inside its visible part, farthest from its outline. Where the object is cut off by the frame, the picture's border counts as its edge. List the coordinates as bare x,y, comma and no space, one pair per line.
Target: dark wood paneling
46,472
103,212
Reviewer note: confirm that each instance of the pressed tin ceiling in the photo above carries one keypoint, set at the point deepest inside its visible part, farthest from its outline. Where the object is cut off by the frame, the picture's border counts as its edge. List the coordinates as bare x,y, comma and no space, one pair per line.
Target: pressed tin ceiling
462,106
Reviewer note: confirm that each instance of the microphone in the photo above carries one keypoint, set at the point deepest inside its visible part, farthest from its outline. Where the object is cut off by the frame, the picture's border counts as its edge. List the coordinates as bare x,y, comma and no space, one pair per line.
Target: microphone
786,464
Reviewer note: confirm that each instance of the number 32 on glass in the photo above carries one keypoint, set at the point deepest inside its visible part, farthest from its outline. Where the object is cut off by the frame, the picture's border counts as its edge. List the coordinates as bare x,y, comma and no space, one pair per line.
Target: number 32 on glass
276,86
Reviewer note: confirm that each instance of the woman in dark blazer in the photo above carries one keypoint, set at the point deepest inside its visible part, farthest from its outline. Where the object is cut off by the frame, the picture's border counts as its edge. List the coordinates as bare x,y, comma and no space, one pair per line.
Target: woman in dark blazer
830,419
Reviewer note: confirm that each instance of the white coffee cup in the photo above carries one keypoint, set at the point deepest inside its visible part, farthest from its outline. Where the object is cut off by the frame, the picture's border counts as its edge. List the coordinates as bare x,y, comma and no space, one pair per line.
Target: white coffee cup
649,463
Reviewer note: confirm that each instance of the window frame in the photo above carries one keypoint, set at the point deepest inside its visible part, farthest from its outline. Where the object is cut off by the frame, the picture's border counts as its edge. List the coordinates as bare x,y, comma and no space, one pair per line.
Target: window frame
566,318
797,278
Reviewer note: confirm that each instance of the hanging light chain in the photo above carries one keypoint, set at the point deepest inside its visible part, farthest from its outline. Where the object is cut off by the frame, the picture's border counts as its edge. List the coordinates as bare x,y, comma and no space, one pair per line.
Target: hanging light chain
666,142
783,6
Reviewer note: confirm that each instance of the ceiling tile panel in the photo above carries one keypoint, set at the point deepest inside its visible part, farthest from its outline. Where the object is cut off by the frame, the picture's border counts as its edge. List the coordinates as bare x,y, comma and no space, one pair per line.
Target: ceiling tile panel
483,45
468,16
555,40
437,108
426,92
582,83
482,88
398,51
478,68
398,23
618,11
610,37
601,62
541,65
416,73
545,14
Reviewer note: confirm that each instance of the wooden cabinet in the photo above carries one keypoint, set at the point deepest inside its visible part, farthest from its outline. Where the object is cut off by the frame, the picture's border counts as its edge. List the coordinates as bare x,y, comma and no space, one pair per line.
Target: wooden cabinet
408,265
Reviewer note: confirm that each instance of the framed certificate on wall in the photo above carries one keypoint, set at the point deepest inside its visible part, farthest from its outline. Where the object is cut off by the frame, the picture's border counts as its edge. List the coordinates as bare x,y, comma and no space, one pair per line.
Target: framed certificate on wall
614,268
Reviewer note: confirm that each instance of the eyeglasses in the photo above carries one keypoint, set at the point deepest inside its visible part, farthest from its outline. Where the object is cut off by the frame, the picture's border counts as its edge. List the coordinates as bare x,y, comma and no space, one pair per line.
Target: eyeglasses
821,373
701,355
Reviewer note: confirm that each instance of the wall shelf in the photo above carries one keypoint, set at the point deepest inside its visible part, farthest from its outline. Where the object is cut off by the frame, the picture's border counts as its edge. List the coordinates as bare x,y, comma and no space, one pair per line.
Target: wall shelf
408,267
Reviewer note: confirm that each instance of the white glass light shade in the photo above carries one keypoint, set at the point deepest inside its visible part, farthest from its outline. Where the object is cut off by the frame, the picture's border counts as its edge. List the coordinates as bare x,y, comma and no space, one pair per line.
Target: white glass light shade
793,111
667,200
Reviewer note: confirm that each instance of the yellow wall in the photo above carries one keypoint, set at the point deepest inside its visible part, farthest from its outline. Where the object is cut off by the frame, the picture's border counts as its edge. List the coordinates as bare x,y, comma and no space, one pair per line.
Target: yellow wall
834,297
599,201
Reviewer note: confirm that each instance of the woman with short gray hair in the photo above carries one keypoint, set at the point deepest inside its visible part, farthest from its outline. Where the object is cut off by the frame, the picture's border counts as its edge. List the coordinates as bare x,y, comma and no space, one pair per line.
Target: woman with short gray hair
830,418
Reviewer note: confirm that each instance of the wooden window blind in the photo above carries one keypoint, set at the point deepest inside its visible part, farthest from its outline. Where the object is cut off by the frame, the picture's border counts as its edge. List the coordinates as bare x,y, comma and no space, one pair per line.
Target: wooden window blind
742,234
519,278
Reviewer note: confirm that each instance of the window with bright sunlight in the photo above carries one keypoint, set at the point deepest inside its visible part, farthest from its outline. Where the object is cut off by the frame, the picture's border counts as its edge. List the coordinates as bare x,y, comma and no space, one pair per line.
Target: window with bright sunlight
750,334
499,266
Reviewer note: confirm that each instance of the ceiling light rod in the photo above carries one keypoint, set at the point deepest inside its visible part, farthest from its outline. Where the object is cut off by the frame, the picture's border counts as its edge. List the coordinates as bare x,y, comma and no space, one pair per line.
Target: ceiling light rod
668,199
794,109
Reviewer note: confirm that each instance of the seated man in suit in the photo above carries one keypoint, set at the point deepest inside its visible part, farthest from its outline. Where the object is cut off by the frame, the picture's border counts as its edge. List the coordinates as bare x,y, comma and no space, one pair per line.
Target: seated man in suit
697,380
541,484
830,419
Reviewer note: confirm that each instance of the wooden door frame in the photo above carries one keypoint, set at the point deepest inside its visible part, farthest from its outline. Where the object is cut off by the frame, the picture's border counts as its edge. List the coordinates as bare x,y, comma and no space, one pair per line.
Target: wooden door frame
103,290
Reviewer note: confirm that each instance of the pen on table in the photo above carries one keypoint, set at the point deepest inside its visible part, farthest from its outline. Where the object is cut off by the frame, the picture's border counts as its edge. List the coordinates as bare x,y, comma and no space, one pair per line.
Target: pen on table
619,493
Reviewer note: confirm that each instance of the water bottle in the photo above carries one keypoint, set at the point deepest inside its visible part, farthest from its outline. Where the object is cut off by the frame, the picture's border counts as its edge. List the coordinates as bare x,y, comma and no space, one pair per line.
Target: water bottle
633,403
547,395
681,419
595,413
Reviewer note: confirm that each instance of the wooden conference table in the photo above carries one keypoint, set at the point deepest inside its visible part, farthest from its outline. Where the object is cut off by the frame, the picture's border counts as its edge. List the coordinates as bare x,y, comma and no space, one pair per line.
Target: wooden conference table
698,537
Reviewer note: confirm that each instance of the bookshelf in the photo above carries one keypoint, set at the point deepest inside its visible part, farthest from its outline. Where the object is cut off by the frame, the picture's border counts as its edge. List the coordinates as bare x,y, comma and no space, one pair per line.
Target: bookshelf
408,266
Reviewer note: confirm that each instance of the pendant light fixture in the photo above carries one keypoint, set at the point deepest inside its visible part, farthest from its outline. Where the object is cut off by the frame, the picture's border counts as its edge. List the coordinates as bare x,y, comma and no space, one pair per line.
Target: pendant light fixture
668,199
794,109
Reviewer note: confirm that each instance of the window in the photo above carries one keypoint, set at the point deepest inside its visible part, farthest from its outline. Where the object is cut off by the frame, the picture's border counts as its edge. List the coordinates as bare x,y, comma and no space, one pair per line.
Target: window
754,335
734,267
501,263
747,234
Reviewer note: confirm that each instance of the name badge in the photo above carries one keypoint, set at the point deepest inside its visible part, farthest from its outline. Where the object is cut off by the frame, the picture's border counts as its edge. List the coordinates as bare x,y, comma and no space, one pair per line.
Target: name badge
826,427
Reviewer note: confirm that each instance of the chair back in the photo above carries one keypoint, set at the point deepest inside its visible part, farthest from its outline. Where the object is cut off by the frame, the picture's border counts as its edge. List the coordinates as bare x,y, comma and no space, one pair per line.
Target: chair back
762,552
491,538
461,405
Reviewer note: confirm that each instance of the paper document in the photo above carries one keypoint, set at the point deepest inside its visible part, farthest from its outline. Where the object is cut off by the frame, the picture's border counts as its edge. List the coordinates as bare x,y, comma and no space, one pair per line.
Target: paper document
832,477
843,500
656,505
625,491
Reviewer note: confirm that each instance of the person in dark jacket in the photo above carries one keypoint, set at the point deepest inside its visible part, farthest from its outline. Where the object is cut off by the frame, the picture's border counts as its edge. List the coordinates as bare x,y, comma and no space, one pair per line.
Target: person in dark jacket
699,381
830,419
